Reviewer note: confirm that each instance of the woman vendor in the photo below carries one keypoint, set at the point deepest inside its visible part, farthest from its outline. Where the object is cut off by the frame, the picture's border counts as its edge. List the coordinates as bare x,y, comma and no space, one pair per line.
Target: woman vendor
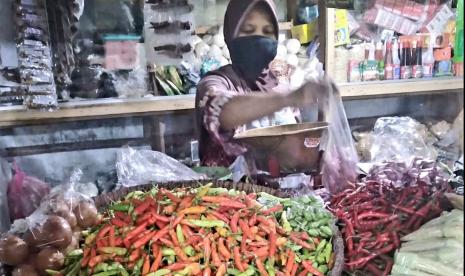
246,94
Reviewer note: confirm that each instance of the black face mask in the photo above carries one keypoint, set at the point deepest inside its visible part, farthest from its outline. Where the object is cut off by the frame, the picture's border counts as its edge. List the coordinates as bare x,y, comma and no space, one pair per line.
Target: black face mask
252,54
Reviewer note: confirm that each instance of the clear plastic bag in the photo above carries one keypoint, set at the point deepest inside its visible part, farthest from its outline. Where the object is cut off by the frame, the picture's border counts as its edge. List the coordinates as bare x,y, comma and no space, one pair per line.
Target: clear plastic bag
138,167
25,194
401,139
50,232
340,156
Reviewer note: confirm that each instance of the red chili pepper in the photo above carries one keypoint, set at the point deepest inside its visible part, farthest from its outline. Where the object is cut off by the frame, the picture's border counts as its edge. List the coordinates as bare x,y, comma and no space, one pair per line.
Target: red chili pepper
144,240
103,231
161,218
176,266
223,250
290,261
215,257
146,266
174,238
273,240
253,220
135,255
220,216
136,231
170,196
141,208
161,233
207,271
215,199
111,237
118,222
237,259
302,243
261,267
245,230
157,262
233,204
166,242
234,221
180,254
294,269
309,267
207,249
272,210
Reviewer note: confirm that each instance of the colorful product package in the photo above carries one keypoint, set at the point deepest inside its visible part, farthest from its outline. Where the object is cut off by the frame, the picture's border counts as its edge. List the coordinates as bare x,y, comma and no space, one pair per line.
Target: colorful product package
342,34
443,64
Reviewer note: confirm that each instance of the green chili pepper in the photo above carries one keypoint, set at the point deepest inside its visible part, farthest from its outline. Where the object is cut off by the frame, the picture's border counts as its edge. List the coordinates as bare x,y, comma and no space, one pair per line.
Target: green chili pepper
167,252
120,251
233,271
108,273
321,245
179,234
323,269
74,270
285,223
170,259
101,267
217,191
189,250
313,232
249,272
320,259
75,253
201,191
326,230
90,239
123,272
160,272
327,252
121,207
207,223
52,272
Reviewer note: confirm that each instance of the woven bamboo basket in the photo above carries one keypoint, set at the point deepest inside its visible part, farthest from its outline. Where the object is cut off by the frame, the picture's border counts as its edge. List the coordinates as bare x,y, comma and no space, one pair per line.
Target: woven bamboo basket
102,201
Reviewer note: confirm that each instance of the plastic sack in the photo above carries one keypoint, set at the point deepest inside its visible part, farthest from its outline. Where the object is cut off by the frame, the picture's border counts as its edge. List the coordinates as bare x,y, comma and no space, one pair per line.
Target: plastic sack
25,194
340,156
43,239
138,167
401,139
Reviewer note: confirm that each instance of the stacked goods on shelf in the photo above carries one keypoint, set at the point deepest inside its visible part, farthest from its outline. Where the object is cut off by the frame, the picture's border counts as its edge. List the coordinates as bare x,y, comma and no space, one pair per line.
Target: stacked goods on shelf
35,66
416,38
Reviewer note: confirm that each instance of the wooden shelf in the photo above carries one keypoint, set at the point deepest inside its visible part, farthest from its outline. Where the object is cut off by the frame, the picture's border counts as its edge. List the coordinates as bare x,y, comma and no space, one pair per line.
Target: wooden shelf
91,109
111,108
362,90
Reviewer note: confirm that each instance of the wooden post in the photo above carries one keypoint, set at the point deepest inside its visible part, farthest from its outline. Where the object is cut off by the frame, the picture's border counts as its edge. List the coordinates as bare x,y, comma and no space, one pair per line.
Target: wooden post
154,131
291,10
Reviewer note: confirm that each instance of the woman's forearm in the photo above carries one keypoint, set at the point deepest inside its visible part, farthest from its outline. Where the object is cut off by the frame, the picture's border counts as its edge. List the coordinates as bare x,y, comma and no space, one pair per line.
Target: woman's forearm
244,109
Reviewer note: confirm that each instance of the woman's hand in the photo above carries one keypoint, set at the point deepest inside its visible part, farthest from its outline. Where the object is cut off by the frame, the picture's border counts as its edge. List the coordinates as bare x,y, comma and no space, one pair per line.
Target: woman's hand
310,93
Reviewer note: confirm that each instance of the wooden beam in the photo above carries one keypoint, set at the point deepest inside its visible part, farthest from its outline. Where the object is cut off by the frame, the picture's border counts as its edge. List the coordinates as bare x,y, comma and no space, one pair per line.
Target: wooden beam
291,10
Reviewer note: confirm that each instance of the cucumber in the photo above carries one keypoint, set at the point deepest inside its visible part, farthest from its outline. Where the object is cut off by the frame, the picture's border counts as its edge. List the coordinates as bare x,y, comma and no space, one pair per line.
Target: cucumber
165,87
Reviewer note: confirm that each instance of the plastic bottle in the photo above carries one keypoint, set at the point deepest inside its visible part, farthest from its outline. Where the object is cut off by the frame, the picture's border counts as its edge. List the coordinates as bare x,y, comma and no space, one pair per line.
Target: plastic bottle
428,61
395,60
417,65
371,53
388,62
380,60
406,61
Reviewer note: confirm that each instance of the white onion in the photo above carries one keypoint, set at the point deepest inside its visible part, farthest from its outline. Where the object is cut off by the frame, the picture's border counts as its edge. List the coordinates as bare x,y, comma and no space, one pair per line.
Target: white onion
293,46
292,59
215,52
218,40
223,61
195,39
201,49
208,39
282,51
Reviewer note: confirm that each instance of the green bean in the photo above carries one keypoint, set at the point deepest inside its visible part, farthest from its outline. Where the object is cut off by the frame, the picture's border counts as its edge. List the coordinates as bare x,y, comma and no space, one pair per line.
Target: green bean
326,230
327,252
101,267
321,245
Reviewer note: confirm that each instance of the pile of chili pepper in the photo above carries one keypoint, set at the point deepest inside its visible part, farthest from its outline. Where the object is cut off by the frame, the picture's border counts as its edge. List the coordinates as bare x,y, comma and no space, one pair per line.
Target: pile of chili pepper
203,231
374,216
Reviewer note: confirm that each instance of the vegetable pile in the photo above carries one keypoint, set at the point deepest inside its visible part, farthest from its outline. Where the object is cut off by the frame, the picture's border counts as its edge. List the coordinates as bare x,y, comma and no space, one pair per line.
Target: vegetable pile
376,213
200,231
434,249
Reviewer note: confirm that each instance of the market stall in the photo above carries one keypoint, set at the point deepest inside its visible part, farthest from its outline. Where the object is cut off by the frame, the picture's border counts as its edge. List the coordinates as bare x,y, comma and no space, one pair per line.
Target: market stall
100,172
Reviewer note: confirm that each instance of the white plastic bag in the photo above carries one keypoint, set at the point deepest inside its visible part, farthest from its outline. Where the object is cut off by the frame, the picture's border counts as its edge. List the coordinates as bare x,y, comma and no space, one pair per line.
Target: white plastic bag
138,167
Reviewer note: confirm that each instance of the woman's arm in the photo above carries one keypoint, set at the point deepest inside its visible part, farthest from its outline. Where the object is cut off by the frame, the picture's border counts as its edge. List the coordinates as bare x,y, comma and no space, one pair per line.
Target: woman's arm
244,109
